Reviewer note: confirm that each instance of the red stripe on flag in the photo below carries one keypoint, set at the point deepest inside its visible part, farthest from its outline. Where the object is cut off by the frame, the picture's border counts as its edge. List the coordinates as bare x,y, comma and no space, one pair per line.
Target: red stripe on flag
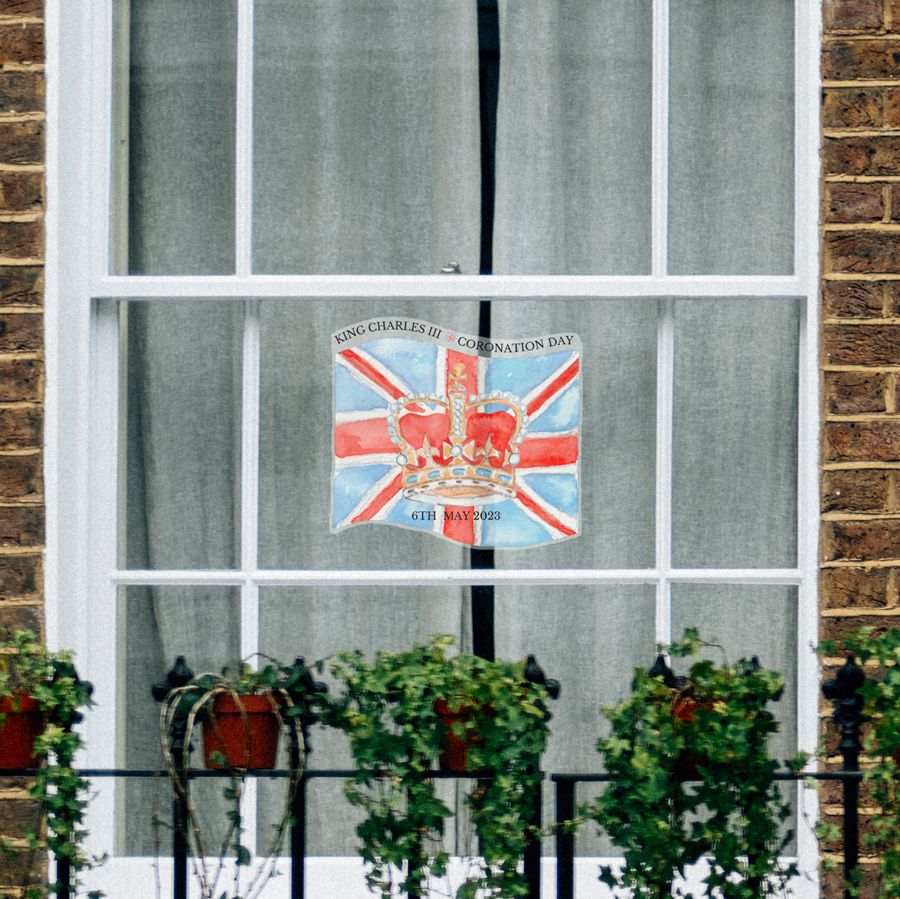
541,513
565,376
548,451
380,501
460,529
359,438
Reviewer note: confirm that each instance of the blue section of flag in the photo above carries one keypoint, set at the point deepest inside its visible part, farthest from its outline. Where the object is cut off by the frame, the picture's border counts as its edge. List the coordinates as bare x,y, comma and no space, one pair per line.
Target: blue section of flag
403,511
514,528
351,484
351,396
560,490
413,361
562,414
520,376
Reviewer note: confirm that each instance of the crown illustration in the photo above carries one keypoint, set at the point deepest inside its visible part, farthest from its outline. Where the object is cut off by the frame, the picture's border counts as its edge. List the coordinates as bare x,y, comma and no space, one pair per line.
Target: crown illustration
460,454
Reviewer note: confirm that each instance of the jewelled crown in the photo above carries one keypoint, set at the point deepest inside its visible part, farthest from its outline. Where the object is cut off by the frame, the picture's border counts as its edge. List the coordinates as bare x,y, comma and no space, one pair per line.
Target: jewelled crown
458,455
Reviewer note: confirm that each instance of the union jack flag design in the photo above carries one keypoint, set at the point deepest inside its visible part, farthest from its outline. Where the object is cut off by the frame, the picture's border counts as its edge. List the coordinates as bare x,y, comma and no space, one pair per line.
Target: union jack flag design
474,440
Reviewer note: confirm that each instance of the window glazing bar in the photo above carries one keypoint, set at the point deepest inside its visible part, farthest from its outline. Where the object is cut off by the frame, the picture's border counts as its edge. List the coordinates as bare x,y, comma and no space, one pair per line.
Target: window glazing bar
349,287
659,203
665,406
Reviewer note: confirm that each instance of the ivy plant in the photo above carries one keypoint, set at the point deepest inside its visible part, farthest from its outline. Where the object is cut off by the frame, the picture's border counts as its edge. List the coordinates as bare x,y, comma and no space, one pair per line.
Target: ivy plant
296,701
396,737
881,743
28,668
691,778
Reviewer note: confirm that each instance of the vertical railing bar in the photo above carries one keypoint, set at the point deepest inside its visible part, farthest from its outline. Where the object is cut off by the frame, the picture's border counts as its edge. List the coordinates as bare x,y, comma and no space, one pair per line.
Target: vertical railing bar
532,857
665,402
565,841
659,204
243,174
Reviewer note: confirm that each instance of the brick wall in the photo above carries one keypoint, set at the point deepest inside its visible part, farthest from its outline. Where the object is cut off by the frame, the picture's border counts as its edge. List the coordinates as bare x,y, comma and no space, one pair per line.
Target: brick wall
860,578
21,343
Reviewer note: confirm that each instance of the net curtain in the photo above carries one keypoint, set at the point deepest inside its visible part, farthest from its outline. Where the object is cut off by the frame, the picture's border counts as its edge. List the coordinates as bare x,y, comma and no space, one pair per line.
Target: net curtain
367,159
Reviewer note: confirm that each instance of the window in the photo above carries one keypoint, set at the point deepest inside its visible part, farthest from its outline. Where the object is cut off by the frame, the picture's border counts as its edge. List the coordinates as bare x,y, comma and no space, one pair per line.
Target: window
238,181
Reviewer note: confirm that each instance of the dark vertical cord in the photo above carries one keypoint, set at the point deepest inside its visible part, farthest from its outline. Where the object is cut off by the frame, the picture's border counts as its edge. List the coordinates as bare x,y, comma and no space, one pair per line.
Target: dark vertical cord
488,83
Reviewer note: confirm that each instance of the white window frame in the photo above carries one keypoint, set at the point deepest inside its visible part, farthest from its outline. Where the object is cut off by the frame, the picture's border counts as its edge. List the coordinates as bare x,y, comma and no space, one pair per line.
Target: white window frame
81,453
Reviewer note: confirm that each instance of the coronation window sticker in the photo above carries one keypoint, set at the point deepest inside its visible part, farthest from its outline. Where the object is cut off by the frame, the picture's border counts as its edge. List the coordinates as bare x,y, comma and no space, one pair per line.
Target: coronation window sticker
472,439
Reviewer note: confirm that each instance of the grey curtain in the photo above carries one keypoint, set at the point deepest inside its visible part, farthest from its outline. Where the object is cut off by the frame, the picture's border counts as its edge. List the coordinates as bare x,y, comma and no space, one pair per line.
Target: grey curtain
366,159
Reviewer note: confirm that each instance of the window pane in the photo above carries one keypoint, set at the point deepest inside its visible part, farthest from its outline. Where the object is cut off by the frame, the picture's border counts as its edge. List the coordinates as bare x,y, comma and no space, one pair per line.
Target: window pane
735,441
297,444
731,124
157,624
573,137
366,140
590,639
182,137
182,391
316,622
617,432
749,620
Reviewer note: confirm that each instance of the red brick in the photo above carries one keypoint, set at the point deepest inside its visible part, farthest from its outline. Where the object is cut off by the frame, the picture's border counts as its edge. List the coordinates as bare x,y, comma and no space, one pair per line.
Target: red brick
856,490
851,202
21,143
856,588
861,541
31,8
863,344
844,107
833,883
21,332
853,299
21,92
892,108
861,60
862,441
21,285
860,155
21,191
18,814
836,628
853,15
863,252
22,239
853,393
21,477
19,617
20,380
894,6
21,577
22,43
21,526
21,427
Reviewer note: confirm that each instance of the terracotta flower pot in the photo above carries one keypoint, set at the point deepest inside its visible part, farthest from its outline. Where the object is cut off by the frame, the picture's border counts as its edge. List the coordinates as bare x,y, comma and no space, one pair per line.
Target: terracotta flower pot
226,731
454,757
686,765
23,724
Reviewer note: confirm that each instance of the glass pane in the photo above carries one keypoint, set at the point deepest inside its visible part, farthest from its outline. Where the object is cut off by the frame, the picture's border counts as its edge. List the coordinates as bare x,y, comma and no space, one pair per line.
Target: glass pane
731,125
366,143
157,624
573,137
735,443
182,137
297,446
182,393
617,433
749,620
316,622
590,639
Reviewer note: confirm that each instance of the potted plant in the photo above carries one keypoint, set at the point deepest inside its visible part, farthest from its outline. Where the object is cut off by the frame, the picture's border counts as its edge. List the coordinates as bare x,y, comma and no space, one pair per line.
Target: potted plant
241,720
880,701
41,697
390,712
691,778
